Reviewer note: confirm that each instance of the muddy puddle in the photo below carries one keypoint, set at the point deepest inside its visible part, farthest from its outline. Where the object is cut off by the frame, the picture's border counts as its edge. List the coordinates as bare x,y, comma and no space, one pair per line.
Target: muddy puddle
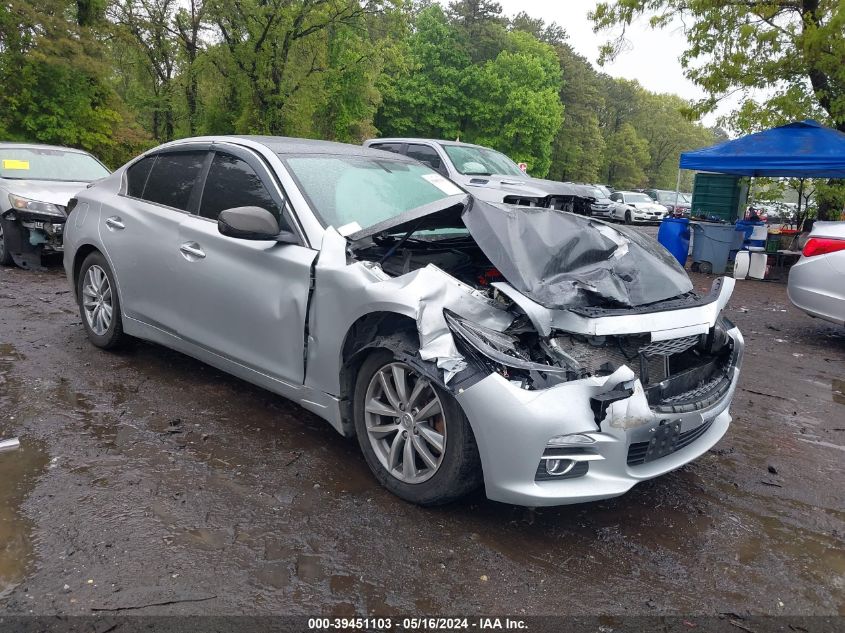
19,470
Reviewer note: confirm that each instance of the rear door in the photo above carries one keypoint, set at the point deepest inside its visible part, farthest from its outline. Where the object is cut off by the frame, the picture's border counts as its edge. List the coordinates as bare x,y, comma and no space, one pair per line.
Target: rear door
241,299
140,232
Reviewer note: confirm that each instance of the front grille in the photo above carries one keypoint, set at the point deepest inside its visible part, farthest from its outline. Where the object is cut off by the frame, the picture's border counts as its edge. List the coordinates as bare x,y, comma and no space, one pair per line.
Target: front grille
638,451
669,347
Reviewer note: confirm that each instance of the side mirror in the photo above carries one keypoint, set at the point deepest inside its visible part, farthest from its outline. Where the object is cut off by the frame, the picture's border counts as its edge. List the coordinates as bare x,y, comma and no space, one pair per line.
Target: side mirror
252,223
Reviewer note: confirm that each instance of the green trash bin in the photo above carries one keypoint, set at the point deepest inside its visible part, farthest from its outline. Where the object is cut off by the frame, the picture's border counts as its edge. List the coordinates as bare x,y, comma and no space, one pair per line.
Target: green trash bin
711,246
773,243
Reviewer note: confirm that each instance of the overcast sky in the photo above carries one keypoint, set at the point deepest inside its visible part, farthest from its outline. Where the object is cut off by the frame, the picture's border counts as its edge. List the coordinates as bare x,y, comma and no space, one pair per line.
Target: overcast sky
652,57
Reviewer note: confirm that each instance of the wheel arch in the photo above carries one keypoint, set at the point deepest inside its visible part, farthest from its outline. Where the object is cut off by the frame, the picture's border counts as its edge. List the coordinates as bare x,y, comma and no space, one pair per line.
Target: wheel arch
79,256
376,330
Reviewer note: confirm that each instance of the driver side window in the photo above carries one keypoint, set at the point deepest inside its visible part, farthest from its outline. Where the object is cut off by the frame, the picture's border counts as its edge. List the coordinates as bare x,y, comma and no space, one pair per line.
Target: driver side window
230,183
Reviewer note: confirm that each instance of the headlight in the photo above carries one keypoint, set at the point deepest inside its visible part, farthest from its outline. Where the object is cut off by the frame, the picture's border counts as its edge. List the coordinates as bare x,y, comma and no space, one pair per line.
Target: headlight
499,347
44,208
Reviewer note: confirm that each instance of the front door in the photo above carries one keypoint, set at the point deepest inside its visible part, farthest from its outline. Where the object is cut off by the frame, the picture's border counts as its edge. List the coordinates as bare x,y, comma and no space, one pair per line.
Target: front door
241,299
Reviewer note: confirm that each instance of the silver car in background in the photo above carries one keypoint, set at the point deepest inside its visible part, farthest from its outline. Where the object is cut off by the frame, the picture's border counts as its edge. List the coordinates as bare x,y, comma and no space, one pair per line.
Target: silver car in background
489,175
816,282
551,357
36,183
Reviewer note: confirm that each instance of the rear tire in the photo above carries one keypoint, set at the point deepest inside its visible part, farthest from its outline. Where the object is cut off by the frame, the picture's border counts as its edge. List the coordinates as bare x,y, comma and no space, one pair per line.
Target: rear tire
5,256
408,431
99,305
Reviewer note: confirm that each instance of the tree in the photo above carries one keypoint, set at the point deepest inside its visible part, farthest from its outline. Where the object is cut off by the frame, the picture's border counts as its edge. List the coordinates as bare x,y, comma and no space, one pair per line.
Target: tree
790,49
54,80
145,24
515,105
481,26
627,154
427,98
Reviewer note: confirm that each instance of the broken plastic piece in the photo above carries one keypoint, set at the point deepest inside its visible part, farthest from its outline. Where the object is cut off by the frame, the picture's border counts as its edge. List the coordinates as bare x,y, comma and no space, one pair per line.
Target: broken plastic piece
10,444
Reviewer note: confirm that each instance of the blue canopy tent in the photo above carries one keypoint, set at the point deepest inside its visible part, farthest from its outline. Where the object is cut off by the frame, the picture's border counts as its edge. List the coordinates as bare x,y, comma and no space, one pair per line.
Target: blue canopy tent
804,149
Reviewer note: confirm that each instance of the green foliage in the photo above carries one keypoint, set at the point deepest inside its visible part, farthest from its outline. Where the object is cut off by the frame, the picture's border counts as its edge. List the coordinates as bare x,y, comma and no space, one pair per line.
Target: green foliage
115,76
427,96
784,56
514,103
627,154
54,85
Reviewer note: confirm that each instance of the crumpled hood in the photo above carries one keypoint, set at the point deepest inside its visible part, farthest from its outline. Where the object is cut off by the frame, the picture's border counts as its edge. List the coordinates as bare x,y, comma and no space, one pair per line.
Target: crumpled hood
528,187
44,190
562,260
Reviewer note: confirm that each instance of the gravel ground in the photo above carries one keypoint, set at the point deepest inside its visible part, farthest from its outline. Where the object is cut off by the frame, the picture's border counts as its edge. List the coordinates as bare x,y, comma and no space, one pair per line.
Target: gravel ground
148,481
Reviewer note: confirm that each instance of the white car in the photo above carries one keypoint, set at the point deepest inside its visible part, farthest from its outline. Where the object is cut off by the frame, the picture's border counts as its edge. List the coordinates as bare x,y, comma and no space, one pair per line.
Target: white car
633,206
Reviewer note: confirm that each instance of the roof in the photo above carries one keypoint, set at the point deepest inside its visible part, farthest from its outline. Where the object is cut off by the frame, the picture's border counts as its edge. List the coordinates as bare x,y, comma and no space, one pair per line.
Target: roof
423,140
804,149
23,145
289,145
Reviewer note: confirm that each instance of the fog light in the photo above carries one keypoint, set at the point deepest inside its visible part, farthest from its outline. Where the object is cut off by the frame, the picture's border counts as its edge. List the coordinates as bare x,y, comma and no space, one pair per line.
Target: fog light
559,466
574,439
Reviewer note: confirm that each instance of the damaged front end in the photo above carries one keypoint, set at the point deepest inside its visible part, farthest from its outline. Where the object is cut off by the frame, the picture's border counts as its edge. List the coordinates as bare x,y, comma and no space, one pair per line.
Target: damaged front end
579,352
32,229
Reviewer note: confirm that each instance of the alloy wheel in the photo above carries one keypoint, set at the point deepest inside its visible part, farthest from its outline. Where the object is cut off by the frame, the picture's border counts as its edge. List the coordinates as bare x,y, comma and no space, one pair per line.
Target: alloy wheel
97,300
406,425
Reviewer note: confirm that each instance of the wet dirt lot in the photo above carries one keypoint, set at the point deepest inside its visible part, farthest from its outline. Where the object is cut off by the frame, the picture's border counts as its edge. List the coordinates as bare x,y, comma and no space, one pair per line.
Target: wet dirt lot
149,483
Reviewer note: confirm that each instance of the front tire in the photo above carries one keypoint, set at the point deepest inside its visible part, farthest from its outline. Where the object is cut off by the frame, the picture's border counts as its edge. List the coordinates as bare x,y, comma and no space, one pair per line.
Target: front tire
414,435
99,306
628,219
5,256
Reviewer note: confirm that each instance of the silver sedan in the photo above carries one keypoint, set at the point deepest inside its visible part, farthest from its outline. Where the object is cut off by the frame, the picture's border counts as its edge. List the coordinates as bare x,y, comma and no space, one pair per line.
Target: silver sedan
817,281
547,356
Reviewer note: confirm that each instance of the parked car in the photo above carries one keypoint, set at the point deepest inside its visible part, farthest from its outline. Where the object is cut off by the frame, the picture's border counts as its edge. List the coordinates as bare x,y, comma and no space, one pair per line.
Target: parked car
36,182
816,282
677,203
601,204
487,174
634,206
447,333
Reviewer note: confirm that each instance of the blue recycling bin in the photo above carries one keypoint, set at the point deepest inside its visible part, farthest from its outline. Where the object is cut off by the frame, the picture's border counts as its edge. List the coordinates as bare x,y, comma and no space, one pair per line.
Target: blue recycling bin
674,235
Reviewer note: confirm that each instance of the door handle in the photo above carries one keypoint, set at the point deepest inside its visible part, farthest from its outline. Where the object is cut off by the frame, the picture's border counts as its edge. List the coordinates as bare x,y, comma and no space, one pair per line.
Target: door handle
192,250
115,223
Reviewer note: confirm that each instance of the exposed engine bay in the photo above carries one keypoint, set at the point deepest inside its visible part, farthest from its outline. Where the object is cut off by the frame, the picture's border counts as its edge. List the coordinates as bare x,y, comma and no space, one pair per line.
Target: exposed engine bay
673,372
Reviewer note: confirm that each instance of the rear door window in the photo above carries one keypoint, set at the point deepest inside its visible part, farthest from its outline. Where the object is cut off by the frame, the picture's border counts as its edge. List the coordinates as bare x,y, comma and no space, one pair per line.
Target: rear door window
232,182
136,176
172,178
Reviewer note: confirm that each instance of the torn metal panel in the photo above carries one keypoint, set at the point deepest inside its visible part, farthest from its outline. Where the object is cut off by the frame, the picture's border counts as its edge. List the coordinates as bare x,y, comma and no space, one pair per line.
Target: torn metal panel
344,292
561,260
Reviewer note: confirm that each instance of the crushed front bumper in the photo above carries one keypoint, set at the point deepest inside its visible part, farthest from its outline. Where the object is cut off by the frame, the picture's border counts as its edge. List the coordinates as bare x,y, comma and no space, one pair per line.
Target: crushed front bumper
512,427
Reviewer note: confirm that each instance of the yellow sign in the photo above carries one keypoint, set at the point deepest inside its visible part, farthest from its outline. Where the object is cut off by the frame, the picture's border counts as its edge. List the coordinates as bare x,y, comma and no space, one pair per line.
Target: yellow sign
10,163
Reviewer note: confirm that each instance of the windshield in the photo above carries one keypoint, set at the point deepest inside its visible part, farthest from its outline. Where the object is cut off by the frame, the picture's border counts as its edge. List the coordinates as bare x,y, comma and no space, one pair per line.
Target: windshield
604,190
598,194
352,193
669,196
44,163
480,161
637,197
